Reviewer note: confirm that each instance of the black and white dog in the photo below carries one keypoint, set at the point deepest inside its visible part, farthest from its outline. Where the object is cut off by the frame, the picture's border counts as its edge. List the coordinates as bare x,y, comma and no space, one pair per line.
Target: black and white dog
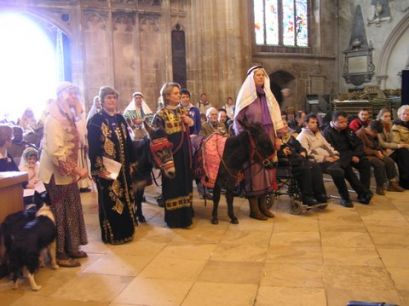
25,238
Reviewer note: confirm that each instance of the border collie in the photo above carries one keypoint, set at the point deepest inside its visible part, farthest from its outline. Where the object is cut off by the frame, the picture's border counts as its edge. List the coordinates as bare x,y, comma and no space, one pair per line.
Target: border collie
26,244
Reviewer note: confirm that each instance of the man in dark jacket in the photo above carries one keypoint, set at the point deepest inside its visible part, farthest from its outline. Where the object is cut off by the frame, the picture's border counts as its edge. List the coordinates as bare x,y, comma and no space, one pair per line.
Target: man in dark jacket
351,153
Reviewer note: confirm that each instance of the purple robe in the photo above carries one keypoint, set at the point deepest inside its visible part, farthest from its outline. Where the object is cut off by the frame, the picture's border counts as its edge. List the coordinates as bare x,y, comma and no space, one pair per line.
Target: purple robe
259,181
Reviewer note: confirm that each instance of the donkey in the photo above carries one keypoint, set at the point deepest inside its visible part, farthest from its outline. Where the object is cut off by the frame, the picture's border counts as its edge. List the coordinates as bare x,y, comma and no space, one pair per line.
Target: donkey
149,152
252,145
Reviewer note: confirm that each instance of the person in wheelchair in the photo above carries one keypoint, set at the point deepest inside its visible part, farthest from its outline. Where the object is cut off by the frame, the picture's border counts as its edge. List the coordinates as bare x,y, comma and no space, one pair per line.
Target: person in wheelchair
307,173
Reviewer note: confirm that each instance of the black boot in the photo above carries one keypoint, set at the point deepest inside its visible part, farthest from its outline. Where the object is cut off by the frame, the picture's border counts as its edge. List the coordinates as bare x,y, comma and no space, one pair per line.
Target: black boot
255,210
262,204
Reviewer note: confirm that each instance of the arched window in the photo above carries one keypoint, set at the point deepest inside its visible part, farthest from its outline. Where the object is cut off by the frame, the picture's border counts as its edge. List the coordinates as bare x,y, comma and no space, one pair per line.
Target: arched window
280,25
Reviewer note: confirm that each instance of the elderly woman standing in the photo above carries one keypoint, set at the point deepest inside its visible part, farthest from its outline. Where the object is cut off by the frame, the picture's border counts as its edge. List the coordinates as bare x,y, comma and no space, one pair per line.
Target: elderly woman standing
256,103
109,140
60,173
177,192
400,136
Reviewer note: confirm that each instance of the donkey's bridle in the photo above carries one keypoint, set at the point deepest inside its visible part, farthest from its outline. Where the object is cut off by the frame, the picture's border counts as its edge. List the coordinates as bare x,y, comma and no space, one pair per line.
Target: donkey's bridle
254,152
157,145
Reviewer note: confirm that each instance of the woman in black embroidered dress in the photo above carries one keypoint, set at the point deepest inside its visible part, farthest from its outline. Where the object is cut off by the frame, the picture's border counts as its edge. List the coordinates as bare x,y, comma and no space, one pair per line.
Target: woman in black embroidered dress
177,192
108,137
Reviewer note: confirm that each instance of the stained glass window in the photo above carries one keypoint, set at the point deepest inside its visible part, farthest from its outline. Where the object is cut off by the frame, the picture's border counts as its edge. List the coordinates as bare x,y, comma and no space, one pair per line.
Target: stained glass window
281,22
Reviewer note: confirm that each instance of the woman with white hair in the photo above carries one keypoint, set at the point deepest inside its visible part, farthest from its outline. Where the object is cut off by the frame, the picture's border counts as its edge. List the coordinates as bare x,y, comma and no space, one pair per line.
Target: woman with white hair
400,135
60,173
256,103
212,125
177,192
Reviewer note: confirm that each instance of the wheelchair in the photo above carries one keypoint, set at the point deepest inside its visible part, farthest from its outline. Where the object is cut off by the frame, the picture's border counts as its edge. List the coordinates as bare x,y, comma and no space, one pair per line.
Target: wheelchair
287,185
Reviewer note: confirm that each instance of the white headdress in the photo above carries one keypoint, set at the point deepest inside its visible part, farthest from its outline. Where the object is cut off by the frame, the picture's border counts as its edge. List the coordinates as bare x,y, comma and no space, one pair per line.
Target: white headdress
131,106
248,93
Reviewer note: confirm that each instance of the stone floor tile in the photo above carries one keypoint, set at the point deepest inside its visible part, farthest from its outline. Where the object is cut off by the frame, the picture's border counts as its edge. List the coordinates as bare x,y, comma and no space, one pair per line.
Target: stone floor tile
231,272
295,254
173,268
346,240
211,294
290,275
290,296
92,287
160,292
351,256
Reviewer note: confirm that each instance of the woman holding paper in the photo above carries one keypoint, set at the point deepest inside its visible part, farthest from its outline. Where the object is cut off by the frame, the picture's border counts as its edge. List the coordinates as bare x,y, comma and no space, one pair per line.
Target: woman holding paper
60,173
110,153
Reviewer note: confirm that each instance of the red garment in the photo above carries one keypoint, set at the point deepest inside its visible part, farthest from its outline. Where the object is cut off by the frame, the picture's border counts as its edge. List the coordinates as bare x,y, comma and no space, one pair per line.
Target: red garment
357,123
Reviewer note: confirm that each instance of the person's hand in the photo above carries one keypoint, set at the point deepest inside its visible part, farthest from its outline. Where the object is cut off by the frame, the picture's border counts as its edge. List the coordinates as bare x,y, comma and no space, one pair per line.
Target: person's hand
379,154
185,119
287,151
104,174
137,121
335,157
303,154
81,172
330,159
278,143
355,159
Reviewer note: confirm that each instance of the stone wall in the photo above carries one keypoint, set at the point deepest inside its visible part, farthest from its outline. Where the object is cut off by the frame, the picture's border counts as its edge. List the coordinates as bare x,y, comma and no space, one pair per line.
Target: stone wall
127,44
388,36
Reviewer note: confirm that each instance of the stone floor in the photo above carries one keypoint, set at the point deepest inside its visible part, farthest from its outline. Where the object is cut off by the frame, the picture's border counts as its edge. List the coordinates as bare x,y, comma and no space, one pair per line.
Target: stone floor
324,258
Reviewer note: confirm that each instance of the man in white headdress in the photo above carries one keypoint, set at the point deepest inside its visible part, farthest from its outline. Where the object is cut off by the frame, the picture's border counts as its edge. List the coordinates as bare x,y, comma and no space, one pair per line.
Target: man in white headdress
256,103
136,111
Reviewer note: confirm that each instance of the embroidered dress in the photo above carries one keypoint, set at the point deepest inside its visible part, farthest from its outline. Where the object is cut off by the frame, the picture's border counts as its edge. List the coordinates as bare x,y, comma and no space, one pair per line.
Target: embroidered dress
177,192
108,137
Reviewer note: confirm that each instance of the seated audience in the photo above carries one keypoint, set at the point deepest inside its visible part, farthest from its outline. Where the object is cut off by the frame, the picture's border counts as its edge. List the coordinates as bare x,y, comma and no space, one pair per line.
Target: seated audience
17,144
212,125
229,107
224,120
399,152
400,132
203,104
192,110
297,124
307,173
384,166
351,153
324,155
6,160
362,120
30,163
27,120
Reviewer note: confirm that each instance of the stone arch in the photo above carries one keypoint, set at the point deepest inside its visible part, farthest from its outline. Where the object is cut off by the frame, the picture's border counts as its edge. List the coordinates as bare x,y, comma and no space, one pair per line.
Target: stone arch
279,80
389,45
50,22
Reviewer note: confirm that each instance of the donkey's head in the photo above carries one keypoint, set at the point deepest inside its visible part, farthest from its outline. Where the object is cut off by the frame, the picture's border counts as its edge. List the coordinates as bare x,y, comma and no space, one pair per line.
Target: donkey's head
161,149
261,146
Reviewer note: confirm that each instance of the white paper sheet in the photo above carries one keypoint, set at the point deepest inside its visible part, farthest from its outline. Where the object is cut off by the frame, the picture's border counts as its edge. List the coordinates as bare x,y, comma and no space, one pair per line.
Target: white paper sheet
112,166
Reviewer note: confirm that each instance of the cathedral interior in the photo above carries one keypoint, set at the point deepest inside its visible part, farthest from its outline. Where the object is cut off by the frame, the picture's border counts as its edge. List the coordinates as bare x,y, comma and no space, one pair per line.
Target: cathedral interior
320,56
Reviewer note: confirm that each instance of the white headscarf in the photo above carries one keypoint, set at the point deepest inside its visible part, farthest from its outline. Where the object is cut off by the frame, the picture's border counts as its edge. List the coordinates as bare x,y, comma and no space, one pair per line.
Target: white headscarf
248,93
131,106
